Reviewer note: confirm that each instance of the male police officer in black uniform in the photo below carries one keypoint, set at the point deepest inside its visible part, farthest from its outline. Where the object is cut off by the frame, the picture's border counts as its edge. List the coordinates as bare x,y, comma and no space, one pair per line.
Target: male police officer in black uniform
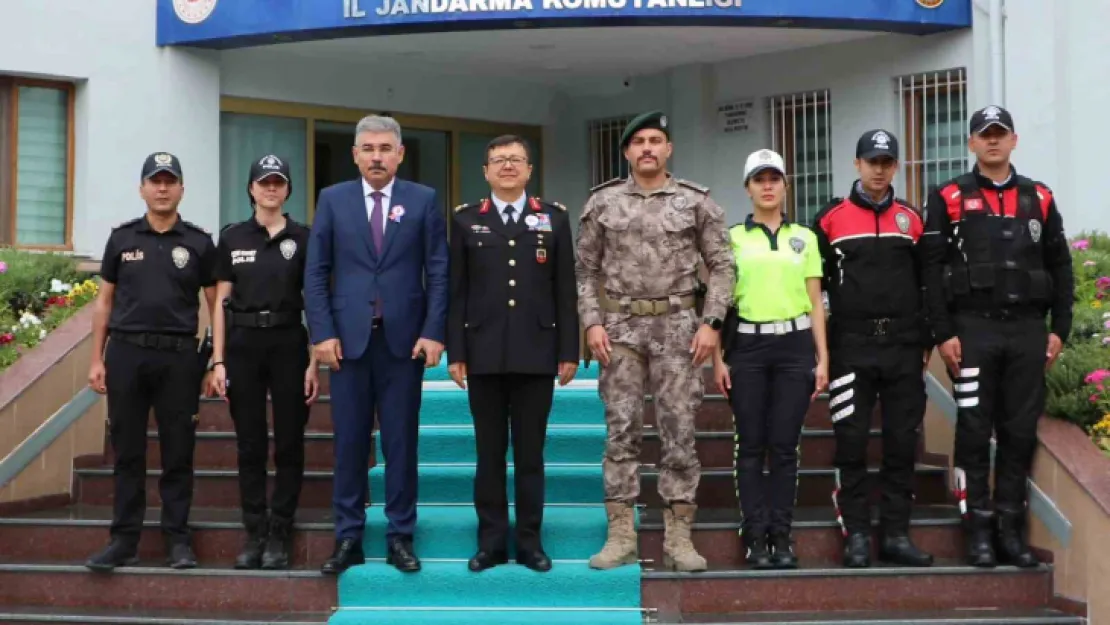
878,345
997,261
153,270
260,269
512,326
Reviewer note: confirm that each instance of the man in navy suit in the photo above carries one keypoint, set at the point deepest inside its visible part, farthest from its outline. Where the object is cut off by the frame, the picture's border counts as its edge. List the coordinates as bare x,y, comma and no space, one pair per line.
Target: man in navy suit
376,302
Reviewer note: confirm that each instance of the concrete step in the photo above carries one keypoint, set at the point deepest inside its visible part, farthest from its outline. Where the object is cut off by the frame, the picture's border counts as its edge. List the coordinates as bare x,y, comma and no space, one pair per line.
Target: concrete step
828,588
1043,616
817,535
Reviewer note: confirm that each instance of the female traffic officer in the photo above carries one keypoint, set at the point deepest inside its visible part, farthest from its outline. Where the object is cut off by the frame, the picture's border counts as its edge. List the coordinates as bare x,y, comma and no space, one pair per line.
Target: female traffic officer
776,358
259,345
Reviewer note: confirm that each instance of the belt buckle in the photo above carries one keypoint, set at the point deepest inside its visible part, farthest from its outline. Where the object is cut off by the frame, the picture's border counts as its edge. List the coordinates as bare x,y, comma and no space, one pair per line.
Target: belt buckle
881,326
780,327
263,318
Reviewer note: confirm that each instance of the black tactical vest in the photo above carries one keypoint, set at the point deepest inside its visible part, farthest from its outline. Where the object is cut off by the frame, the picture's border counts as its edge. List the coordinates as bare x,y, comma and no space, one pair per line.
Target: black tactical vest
998,262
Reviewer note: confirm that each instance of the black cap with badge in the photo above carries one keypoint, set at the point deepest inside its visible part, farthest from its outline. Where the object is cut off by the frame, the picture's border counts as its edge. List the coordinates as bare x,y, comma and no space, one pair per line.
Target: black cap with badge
269,165
159,162
990,116
875,144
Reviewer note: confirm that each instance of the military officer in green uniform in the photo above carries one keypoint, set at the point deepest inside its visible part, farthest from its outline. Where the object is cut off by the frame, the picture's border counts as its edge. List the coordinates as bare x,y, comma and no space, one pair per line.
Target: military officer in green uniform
641,239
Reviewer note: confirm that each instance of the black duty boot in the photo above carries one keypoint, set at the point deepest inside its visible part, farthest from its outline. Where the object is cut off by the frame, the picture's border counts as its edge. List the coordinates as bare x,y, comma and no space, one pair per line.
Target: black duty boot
118,553
782,549
251,555
755,547
897,548
978,532
1010,540
857,550
279,545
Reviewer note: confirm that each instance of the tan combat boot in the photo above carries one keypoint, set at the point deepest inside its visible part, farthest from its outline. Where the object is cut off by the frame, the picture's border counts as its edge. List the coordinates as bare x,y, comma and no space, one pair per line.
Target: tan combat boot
621,546
678,551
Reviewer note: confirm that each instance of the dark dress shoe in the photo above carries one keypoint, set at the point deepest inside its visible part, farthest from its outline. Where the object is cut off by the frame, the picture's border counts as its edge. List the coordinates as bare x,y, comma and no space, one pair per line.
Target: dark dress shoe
534,559
348,553
182,556
402,557
899,549
117,553
486,560
857,551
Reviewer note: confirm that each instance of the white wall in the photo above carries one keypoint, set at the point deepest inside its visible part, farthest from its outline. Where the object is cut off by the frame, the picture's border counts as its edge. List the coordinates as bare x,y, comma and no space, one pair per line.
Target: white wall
132,99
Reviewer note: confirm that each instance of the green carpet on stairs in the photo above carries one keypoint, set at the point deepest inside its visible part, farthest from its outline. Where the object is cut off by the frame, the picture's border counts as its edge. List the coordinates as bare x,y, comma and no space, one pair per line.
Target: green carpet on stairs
445,591
439,374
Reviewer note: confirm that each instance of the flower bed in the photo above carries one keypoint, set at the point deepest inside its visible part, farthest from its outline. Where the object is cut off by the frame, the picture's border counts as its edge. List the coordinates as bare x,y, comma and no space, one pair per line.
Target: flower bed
1079,383
37,293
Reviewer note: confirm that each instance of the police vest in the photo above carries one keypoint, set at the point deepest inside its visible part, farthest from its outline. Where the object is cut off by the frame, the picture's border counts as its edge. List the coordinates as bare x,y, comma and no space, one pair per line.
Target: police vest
999,258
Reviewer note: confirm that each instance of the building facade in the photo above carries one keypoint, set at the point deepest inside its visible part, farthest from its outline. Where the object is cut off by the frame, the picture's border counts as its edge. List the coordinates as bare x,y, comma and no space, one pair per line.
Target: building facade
88,89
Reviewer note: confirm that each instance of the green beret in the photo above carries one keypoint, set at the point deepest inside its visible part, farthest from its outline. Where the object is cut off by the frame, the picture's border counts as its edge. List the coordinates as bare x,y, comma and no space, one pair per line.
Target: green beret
652,119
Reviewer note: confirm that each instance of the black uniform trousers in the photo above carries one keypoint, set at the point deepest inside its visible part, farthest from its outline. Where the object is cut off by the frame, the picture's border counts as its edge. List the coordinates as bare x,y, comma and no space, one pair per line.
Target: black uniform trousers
504,405
260,360
861,369
772,380
1000,390
139,378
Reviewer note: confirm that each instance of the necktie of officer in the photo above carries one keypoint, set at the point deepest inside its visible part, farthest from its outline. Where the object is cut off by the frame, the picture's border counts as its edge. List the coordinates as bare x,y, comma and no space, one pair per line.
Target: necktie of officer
508,211
377,232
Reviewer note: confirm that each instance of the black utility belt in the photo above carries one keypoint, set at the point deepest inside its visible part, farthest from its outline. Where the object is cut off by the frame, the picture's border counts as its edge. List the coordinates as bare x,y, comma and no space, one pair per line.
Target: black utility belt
879,326
154,340
265,319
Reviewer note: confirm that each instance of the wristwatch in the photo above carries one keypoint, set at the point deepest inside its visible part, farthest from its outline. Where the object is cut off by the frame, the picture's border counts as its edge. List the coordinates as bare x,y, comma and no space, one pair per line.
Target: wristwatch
713,322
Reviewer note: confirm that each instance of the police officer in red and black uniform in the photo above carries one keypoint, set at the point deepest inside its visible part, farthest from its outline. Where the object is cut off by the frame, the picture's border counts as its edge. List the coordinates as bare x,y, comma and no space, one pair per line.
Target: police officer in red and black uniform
261,347
997,261
878,346
153,271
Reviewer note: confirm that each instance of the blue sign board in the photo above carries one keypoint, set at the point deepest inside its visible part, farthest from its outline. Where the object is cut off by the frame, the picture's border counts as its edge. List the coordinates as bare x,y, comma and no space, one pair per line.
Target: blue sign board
240,23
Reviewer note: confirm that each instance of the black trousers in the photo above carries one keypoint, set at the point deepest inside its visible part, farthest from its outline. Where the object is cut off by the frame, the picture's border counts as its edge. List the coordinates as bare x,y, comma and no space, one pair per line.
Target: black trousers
139,378
504,405
274,360
860,371
772,380
1000,390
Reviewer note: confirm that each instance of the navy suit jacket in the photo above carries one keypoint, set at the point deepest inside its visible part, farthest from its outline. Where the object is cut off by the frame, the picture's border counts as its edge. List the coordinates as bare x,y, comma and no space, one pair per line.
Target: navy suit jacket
345,275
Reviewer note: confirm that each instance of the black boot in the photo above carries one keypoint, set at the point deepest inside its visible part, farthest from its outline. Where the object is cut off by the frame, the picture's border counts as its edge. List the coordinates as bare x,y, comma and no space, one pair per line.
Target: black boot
1010,541
251,556
279,544
897,548
755,545
782,550
118,553
978,533
857,550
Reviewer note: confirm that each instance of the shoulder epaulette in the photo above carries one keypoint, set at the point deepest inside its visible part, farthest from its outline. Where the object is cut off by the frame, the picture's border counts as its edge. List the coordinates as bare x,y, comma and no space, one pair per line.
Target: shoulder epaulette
462,206
555,205
192,225
130,222
607,183
693,185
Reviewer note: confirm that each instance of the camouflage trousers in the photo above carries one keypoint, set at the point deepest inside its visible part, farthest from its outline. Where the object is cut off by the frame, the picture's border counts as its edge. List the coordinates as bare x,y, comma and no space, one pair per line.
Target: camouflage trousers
651,354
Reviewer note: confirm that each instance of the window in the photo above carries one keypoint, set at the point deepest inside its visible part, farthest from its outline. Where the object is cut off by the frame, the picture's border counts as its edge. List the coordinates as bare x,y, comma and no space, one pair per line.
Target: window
246,138
606,157
36,163
933,113
801,132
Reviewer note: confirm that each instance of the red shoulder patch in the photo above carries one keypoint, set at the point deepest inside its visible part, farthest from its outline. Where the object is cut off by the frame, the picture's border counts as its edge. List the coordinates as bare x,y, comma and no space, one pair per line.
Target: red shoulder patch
1046,199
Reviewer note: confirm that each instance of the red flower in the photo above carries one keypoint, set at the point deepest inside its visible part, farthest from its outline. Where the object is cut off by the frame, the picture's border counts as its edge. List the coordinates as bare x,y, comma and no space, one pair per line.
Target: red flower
6,338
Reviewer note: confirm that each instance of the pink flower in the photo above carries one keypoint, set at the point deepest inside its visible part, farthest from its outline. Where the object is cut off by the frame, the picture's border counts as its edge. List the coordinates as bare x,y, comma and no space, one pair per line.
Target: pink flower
1107,324
6,338
3,267
1081,244
1097,376
1103,283
1094,399
1106,340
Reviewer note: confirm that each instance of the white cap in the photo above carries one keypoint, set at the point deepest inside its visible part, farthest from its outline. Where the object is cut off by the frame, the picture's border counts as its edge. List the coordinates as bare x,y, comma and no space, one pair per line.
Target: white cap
763,159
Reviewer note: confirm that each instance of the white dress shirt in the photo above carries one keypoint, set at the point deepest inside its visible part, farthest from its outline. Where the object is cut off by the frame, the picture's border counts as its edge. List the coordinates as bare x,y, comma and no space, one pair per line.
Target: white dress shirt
387,194
518,205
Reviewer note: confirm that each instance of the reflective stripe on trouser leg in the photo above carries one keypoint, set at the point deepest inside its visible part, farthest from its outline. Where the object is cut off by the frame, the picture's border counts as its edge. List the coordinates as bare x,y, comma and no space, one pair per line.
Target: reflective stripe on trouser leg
841,392
965,390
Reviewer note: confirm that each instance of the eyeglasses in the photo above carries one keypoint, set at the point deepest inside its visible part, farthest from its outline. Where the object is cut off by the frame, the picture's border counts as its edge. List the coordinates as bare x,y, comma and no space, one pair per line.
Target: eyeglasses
499,161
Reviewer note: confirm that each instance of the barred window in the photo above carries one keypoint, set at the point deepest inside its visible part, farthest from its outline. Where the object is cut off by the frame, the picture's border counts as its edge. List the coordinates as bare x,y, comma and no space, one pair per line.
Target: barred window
801,131
933,113
606,158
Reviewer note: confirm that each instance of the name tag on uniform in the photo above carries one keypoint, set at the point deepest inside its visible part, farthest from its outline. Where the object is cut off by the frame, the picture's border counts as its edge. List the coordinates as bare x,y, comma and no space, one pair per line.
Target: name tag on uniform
242,256
132,256
479,229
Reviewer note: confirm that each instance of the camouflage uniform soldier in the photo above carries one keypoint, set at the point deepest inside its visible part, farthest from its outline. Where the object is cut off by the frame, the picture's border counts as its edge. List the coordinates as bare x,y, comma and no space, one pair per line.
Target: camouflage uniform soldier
641,239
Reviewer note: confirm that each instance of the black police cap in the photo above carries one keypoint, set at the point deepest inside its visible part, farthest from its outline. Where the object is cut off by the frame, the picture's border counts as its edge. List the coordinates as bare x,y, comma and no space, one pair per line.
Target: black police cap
651,119
877,143
159,162
269,165
990,116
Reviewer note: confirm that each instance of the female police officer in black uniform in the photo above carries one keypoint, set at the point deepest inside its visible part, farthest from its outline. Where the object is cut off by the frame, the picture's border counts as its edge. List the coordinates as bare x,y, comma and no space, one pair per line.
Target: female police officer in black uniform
259,345
777,357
